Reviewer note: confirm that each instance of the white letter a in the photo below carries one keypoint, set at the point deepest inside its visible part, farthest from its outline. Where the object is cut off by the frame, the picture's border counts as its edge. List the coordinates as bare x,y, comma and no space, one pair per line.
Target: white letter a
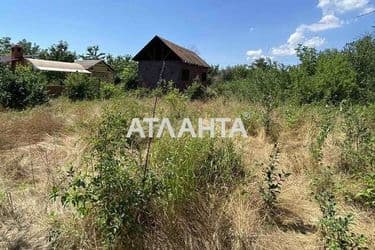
135,127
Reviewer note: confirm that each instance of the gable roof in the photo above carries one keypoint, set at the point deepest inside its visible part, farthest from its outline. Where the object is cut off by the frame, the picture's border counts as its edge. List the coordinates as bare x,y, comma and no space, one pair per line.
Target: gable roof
87,64
47,65
185,55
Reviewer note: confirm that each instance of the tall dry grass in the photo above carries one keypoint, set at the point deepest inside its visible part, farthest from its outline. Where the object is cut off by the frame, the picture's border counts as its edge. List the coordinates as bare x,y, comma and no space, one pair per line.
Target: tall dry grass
37,146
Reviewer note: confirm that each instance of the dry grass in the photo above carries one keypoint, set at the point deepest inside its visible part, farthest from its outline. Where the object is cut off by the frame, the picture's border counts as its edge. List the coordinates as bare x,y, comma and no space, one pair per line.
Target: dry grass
28,129
37,145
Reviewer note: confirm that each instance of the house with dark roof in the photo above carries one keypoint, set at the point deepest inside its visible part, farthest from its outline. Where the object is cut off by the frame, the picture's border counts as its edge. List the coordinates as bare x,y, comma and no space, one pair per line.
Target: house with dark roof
162,59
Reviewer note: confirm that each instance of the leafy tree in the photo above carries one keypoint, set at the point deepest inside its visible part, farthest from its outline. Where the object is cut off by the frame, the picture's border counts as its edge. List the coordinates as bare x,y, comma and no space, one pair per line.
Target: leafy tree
235,72
118,63
29,48
335,79
58,52
92,53
5,45
81,87
22,87
308,57
262,63
129,75
361,54
126,70
213,74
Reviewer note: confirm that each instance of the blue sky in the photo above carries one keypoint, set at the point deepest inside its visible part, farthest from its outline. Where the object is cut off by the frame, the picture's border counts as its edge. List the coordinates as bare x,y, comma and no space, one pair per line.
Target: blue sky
223,32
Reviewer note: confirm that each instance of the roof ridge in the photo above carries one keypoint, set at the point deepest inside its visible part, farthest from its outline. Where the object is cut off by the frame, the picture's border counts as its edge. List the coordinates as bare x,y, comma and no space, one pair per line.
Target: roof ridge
176,44
185,55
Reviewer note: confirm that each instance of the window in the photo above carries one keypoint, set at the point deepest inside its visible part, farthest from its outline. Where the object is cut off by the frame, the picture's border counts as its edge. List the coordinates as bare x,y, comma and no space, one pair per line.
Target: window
185,75
204,77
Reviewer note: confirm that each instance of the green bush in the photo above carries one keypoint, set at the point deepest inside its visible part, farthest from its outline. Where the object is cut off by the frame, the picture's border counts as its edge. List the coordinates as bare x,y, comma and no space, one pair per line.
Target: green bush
335,79
113,188
129,75
361,54
273,179
177,103
252,121
197,91
358,147
335,229
81,87
329,76
192,166
108,90
22,88
367,195
140,92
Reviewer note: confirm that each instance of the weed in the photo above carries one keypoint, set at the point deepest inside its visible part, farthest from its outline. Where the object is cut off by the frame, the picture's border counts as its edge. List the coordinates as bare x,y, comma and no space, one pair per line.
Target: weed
367,195
252,122
316,148
108,90
177,103
358,148
191,164
273,179
335,229
113,188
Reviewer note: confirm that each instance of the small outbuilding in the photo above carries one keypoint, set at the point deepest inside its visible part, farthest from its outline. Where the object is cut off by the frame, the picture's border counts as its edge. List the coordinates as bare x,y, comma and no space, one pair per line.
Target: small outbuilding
96,68
162,59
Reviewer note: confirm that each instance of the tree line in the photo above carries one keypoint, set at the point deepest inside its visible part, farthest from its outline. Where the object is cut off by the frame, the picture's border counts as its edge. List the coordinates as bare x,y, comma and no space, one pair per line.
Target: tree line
125,68
330,76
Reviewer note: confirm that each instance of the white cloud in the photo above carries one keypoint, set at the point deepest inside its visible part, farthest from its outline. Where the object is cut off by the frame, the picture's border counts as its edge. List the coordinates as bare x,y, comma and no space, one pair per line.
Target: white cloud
314,42
254,54
294,40
325,23
342,6
304,33
283,50
368,10
298,37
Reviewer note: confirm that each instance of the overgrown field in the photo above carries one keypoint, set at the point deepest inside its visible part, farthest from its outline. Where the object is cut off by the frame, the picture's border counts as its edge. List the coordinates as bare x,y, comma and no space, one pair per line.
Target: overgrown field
303,179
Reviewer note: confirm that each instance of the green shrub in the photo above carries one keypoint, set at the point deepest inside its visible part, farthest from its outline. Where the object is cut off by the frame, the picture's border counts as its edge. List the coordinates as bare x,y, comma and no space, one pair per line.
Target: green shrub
358,148
192,166
316,148
197,91
22,88
108,90
177,103
325,124
113,188
129,75
335,229
81,87
252,121
273,179
367,195
293,115
271,127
